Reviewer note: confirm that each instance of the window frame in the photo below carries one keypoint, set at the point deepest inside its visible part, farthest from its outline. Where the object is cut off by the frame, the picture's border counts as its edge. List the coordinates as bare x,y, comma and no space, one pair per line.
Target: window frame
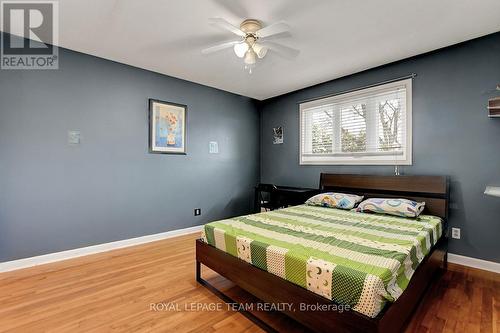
361,158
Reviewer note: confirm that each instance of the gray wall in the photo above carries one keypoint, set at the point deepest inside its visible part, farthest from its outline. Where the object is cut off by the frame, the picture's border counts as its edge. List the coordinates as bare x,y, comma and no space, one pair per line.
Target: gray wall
56,197
452,135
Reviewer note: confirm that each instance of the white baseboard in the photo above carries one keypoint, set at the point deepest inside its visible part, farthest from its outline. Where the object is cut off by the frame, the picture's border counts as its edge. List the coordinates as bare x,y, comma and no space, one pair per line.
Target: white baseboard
473,262
69,254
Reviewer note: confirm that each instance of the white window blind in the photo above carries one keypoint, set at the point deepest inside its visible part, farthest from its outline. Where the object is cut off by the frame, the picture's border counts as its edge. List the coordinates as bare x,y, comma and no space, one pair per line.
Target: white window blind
368,126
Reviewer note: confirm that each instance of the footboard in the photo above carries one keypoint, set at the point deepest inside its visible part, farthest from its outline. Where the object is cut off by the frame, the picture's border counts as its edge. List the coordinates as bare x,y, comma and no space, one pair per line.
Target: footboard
273,289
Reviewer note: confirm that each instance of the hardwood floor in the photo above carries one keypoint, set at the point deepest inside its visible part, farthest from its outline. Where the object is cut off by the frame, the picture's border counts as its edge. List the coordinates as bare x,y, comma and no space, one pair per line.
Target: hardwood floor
137,289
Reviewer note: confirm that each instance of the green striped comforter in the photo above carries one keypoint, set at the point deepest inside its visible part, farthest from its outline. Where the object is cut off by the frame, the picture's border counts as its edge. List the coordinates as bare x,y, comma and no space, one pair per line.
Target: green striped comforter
358,259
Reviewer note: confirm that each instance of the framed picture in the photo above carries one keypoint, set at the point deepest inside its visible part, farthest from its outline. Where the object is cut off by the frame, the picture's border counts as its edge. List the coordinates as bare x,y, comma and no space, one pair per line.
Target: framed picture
277,135
167,127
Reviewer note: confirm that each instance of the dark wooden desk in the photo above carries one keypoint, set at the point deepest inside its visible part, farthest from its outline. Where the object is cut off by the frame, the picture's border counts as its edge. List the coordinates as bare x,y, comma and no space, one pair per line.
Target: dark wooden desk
288,196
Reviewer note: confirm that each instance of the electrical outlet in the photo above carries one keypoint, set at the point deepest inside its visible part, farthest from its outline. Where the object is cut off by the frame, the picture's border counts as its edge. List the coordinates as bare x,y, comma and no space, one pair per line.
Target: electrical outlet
455,233
197,211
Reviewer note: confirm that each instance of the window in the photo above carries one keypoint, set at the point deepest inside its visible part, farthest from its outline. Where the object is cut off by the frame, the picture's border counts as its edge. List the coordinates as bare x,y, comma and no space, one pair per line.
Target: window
368,126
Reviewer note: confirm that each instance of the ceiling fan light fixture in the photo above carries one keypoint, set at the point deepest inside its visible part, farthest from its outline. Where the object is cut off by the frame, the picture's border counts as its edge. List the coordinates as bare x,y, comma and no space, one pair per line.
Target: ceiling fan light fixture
260,50
250,57
253,43
240,49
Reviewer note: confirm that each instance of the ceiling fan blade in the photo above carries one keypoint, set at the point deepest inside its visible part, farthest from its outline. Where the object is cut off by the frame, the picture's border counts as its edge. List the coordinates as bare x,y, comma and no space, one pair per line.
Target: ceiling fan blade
220,22
273,29
282,50
281,35
220,46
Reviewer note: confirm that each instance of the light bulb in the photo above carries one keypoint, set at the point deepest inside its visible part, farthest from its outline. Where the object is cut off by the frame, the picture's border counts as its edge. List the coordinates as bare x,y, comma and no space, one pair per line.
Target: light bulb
240,49
259,50
250,57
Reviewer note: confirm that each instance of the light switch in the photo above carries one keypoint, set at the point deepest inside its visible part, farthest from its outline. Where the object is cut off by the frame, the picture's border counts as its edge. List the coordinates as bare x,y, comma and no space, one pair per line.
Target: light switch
74,137
213,147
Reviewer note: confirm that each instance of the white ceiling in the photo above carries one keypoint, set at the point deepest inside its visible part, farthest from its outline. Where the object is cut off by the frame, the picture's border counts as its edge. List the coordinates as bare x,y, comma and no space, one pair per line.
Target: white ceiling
336,37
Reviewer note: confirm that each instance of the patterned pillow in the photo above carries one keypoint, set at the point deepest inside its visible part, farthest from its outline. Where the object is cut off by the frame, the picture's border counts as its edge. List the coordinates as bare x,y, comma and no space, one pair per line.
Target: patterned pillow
398,207
334,200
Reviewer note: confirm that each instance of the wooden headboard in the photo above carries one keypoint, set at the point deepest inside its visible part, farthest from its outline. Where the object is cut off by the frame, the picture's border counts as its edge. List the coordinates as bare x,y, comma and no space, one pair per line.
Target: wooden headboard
434,190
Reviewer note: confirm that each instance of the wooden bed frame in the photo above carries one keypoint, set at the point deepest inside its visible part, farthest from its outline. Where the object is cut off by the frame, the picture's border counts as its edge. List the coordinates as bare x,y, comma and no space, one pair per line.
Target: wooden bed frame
434,190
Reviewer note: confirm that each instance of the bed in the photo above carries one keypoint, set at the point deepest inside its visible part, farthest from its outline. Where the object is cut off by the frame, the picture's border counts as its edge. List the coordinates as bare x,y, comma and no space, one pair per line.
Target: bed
373,267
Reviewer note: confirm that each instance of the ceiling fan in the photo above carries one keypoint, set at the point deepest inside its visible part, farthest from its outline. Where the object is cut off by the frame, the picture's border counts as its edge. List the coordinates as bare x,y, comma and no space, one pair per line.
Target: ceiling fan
253,43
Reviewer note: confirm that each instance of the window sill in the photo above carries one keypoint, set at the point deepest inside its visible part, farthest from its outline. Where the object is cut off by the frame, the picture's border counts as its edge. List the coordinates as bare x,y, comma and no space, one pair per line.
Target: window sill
354,161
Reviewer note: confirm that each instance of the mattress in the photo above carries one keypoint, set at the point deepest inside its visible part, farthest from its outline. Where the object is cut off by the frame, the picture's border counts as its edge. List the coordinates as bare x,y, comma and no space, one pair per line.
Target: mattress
357,259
